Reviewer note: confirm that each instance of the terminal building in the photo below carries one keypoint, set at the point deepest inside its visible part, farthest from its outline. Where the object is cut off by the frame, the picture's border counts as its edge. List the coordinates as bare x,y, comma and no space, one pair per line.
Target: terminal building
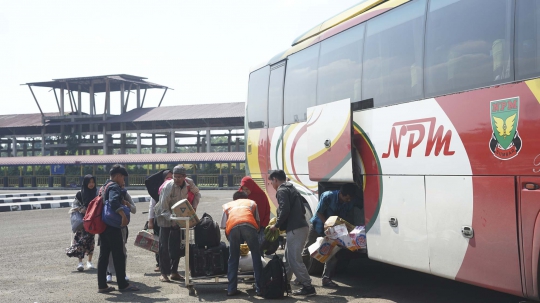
89,137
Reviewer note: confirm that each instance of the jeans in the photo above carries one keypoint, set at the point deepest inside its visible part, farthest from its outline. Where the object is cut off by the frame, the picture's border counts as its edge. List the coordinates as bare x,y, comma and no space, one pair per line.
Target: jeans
112,242
330,265
169,250
237,236
293,256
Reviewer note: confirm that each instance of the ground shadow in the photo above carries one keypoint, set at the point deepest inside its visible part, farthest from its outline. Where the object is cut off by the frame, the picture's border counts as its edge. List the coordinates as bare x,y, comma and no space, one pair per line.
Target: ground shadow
134,296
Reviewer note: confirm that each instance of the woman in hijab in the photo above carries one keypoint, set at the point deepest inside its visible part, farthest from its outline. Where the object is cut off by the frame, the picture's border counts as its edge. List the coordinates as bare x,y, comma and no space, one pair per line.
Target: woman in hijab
256,194
83,242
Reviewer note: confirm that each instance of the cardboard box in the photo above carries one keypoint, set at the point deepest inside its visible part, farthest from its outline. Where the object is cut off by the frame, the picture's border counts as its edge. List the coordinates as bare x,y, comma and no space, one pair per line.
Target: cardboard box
323,249
358,236
183,208
335,220
147,240
337,231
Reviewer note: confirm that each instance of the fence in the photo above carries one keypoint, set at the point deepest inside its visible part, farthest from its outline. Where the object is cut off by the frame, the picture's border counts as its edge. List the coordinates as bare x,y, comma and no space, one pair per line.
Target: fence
74,181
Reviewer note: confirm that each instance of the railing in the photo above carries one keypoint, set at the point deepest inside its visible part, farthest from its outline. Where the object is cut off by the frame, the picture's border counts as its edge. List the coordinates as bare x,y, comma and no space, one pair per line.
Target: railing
207,180
74,181
13,181
42,181
136,180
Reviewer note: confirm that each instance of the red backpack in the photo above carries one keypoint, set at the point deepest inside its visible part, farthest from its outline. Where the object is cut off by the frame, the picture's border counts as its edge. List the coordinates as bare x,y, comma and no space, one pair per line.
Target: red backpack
92,221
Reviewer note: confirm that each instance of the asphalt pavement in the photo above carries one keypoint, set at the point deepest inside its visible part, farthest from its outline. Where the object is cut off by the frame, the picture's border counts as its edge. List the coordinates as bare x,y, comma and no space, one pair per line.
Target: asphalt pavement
35,268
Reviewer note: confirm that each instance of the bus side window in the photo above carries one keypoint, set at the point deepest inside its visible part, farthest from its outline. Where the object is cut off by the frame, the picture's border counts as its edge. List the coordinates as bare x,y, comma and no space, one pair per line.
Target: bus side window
468,45
527,39
300,84
258,98
393,53
340,66
275,96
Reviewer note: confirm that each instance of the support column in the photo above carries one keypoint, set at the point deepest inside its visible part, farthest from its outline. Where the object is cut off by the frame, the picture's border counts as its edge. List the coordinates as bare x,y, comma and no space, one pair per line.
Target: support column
62,101
138,96
153,143
25,149
107,110
172,143
198,142
92,99
208,143
123,139
43,141
122,100
14,144
139,143
105,140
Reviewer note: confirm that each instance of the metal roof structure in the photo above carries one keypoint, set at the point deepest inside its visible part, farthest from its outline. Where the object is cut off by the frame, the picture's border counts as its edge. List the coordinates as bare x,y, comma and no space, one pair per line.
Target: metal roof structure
183,112
21,120
99,83
187,158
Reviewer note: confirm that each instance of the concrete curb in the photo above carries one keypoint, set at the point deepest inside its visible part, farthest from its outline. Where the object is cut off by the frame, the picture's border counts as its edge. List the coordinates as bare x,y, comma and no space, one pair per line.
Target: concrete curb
34,199
18,206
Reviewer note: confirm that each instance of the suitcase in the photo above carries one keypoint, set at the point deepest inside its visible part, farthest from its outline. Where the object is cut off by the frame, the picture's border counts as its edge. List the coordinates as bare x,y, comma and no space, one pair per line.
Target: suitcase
207,232
208,262
147,241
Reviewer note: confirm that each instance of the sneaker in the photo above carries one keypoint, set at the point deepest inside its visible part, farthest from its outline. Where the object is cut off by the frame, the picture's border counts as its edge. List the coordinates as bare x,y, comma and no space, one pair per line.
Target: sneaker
305,291
89,265
80,267
109,278
127,279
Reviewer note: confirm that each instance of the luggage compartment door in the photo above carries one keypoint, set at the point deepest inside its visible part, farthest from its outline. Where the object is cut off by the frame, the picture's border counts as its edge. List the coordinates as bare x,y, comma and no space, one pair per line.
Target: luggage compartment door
329,142
529,196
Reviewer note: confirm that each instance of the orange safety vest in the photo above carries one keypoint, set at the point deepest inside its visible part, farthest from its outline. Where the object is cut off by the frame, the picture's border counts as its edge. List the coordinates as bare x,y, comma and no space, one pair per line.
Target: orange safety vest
238,212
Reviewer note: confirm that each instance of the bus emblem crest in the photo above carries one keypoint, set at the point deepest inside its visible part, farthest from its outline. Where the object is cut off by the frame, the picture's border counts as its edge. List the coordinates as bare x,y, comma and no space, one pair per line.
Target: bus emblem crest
505,142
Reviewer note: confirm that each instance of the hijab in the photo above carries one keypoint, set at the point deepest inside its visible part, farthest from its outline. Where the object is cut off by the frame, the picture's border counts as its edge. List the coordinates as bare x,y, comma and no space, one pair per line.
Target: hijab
86,194
260,198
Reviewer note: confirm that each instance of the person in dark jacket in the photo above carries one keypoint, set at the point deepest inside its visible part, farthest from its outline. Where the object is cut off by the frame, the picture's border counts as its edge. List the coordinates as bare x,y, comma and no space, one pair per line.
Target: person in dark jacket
290,217
111,239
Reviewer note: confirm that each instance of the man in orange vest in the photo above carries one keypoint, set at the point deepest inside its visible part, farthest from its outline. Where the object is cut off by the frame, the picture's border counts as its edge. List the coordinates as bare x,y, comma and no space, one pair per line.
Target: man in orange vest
241,223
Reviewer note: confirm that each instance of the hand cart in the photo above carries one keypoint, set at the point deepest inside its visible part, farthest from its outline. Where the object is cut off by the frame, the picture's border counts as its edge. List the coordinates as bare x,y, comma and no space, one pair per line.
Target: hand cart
190,285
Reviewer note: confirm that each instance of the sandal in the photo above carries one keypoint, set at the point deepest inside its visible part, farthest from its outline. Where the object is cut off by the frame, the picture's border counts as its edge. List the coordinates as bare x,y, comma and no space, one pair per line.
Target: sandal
129,288
177,277
106,290
164,279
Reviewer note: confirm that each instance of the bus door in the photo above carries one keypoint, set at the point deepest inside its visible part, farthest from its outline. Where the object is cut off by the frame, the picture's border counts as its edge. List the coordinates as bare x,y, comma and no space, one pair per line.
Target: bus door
329,139
529,203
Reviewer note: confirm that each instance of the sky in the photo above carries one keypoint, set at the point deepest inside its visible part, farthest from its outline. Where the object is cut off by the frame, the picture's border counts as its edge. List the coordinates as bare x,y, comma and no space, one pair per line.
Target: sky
202,49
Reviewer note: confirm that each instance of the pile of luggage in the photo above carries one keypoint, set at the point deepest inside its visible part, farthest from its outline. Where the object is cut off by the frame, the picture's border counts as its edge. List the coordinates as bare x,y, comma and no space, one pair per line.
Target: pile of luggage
209,256
339,234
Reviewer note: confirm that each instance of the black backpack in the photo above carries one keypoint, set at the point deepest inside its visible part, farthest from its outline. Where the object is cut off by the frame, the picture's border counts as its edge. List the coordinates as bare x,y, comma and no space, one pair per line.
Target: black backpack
274,279
207,232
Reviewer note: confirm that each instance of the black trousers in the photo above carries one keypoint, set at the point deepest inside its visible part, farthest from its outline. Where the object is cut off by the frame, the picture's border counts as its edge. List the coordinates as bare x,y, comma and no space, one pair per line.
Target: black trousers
156,232
112,242
169,250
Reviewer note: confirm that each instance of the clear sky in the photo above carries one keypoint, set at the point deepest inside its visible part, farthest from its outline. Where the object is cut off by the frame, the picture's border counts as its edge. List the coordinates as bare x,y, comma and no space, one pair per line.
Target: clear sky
202,49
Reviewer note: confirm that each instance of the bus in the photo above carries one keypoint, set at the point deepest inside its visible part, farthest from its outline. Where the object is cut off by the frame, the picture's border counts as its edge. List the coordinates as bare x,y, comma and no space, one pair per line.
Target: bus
432,107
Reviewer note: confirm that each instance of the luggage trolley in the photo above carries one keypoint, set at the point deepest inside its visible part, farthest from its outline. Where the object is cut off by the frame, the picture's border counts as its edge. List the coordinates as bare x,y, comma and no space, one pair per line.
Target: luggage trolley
190,285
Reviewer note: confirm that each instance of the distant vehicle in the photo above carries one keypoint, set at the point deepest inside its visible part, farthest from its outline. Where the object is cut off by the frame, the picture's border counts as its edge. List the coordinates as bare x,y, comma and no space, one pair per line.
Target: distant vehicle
433,108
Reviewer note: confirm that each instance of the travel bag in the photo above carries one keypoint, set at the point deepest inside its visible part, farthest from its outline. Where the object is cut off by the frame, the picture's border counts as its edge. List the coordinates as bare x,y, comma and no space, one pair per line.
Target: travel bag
208,261
274,284
207,232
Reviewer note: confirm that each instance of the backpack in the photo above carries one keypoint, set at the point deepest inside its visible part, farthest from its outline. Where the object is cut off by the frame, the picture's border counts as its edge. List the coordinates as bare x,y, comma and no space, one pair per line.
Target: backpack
274,280
92,221
207,232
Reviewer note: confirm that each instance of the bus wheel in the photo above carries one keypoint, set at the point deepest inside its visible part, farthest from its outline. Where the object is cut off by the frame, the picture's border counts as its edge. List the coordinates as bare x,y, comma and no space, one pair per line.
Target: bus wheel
313,266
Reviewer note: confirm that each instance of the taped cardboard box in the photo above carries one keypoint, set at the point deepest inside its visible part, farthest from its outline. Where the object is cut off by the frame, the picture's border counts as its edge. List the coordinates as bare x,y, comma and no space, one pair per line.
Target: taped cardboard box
183,208
147,240
337,231
335,220
323,249
358,236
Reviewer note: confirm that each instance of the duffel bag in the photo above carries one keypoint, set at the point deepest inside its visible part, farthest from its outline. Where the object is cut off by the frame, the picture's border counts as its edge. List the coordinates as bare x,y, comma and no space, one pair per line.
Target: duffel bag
207,232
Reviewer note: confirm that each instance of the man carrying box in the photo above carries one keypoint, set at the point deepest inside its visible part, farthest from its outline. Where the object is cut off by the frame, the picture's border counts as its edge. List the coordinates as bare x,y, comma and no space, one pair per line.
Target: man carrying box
331,203
169,235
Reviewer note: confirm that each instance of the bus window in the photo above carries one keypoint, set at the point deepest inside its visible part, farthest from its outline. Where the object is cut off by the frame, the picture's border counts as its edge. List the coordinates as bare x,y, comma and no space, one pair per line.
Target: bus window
300,84
468,45
393,55
340,67
258,98
527,39
275,96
